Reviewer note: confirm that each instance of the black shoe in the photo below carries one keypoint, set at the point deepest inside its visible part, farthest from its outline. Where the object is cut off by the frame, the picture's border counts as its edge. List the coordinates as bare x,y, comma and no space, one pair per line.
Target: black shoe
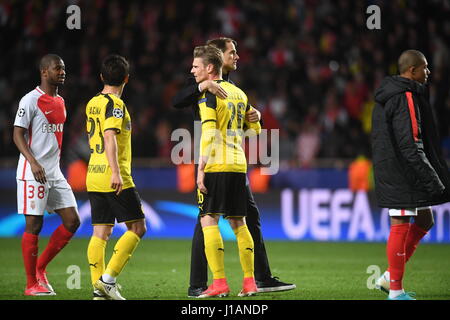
194,292
272,284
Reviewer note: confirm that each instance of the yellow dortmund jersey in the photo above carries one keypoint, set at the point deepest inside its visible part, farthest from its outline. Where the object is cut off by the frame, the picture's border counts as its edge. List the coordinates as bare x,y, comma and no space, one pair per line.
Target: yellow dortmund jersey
223,124
108,112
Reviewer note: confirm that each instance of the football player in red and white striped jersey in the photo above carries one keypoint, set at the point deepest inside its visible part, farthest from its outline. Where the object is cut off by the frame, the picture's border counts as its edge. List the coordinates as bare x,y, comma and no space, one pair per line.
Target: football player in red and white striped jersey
38,133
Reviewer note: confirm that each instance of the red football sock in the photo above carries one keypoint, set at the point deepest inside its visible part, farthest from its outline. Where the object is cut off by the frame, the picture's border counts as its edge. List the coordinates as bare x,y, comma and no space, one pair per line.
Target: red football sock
395,251
30,253
415,234
60,237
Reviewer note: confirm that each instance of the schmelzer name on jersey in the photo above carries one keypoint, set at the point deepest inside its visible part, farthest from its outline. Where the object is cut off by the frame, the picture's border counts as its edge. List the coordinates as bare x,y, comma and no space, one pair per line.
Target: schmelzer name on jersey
97,168
52,127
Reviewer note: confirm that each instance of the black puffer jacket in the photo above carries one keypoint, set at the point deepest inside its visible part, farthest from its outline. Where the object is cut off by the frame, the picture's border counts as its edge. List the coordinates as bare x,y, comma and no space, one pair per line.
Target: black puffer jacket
409,169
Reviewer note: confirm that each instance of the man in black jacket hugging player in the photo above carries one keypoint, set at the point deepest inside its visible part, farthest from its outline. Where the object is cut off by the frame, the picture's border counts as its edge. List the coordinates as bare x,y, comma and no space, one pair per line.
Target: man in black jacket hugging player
187,97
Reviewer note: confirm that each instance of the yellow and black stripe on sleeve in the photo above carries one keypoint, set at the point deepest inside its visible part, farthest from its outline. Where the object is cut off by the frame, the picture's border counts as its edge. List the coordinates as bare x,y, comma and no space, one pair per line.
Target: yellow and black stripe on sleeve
208,116
114,114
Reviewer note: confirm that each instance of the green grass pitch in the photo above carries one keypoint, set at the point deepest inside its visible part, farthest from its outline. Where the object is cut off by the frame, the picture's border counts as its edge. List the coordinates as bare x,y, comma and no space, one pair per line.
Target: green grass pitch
159,270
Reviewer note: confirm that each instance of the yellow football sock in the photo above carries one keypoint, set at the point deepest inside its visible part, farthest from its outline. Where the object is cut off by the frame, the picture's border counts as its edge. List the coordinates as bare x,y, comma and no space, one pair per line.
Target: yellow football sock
214,251
246,254
96,257
123,250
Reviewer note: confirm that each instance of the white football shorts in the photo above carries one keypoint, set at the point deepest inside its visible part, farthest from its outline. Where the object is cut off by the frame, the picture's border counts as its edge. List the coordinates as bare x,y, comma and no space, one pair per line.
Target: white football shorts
34,198
408,212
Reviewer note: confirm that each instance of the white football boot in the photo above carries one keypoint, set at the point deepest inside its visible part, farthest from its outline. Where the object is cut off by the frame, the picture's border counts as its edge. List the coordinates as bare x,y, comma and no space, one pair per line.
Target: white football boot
383,283
111,290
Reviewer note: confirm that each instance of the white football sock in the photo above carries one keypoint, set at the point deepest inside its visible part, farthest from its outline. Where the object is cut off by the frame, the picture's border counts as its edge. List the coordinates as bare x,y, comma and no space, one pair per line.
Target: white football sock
108,279
395,293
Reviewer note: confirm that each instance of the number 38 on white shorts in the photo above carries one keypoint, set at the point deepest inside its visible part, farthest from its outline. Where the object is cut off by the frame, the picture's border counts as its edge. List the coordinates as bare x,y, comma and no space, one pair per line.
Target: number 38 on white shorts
34,198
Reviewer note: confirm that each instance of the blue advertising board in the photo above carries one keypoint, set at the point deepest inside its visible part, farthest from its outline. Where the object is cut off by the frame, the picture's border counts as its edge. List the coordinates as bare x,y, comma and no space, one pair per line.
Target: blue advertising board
309,214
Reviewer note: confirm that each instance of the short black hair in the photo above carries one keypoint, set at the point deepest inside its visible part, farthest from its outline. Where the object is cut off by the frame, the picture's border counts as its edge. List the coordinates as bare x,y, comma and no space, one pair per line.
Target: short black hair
114,70
410,58
46,60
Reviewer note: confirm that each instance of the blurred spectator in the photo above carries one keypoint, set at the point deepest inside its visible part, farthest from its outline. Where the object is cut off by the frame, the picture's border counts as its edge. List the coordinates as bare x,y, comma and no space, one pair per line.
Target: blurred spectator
354,96
308,140
359,174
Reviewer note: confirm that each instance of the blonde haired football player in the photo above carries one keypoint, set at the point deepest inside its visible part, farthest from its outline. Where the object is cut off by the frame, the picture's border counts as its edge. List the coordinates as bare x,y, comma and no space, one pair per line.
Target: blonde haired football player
188,97
222,168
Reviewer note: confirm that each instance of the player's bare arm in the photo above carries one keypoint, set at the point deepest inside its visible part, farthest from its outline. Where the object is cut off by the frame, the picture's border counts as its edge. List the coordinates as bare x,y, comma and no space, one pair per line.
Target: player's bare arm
111,155
214,88
19,139
206,141
253,115
201,174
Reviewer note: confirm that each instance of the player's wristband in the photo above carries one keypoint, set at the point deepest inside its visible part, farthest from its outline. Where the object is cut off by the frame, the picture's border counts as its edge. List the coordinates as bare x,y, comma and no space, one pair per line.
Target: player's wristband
199,90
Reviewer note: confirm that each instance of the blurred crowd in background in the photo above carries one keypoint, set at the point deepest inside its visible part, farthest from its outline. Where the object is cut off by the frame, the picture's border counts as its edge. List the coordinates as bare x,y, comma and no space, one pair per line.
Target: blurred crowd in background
310,66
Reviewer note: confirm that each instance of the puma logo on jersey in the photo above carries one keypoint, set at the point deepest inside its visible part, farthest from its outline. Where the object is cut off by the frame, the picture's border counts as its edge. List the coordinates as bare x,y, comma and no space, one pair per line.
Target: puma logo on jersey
52,127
